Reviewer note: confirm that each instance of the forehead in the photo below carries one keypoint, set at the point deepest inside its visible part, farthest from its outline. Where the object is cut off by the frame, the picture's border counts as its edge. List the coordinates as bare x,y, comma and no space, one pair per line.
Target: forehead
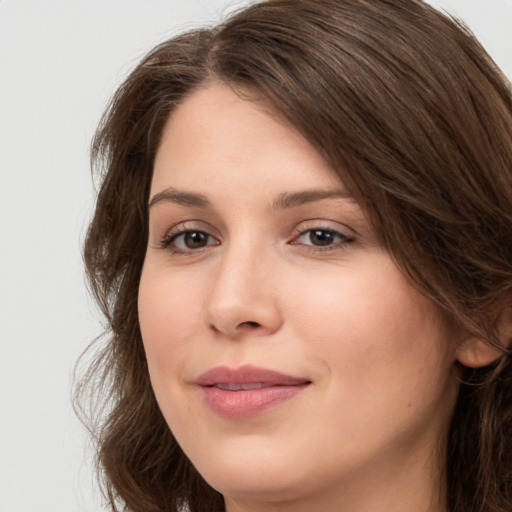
217,136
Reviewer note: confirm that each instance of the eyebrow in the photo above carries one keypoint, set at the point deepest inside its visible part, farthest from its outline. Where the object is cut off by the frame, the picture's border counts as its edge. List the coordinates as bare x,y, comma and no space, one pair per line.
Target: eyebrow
171,195
284,201
294,199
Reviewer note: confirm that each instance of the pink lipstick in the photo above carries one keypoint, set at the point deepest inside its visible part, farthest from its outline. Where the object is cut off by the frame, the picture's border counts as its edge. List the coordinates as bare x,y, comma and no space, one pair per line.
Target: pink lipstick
247,391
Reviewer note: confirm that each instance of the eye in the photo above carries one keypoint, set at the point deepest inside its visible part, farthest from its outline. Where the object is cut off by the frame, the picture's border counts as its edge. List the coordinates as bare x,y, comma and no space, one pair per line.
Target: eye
322,239
184,242
191,240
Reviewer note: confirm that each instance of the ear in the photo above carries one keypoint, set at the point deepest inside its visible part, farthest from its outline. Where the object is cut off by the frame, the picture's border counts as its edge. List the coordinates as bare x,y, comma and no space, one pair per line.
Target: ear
475,352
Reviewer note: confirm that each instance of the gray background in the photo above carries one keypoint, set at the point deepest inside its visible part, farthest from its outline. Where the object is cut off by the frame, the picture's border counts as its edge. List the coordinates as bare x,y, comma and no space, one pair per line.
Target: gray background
59,62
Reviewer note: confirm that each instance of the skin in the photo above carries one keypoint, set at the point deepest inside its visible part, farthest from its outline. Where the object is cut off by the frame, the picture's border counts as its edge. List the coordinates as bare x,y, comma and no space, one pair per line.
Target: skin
369,432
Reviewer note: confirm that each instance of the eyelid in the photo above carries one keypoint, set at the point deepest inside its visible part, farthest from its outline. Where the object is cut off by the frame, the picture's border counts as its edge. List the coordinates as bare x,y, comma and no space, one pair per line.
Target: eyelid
327,225
184,227
322,225
191,225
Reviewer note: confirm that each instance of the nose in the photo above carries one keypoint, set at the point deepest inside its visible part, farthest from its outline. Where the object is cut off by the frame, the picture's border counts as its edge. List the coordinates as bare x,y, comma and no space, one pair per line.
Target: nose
243,299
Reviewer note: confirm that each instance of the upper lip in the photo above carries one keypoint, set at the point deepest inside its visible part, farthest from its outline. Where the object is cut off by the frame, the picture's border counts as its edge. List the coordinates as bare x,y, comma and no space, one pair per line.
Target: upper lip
248,375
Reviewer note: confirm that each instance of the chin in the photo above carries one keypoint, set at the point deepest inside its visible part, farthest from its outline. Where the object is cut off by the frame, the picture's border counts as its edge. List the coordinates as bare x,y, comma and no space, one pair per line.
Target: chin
261,475
261,487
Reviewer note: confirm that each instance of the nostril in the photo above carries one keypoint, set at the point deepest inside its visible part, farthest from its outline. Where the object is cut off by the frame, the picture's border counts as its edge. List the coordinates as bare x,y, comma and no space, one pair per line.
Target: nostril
250,324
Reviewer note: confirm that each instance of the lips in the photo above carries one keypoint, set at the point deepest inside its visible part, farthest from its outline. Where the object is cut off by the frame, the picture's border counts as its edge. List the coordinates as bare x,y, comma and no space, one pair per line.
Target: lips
247,391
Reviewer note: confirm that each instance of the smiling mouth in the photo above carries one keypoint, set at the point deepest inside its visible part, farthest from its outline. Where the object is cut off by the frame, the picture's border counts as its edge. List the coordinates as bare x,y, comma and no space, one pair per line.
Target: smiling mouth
242,387
247,391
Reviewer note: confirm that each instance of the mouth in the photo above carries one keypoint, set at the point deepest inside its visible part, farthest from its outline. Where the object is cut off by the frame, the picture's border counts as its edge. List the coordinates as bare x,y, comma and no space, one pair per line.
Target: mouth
247,391
241,387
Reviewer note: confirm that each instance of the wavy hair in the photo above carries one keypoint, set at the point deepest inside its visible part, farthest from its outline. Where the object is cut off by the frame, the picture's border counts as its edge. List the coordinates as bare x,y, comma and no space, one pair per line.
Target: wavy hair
414,116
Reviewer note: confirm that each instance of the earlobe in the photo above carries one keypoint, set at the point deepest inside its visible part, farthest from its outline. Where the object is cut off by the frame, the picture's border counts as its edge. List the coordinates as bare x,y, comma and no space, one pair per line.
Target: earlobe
476,353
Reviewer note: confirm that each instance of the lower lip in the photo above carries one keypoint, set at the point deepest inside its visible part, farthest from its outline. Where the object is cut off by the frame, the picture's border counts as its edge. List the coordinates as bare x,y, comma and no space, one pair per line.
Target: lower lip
249,402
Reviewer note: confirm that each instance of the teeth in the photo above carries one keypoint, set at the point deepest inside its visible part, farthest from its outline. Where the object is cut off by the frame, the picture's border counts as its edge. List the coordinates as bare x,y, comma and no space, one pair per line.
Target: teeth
239,387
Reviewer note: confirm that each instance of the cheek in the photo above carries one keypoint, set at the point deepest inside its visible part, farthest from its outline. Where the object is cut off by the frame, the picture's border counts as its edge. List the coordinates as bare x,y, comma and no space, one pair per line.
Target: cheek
371,324
168,315
384,353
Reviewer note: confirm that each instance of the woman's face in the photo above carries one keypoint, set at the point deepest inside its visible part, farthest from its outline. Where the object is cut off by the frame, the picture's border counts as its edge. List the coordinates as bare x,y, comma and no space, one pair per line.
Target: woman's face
290,357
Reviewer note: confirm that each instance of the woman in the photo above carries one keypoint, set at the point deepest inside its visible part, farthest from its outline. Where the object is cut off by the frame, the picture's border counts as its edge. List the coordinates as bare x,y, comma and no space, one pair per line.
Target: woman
303,248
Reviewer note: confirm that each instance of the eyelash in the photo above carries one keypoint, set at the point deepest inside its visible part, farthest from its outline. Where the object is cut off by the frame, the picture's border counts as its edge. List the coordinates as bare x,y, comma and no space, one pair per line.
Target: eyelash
343,240
169,239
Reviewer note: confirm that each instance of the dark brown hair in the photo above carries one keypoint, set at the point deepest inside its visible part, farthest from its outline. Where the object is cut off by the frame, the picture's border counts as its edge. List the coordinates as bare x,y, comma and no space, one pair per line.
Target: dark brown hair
417,120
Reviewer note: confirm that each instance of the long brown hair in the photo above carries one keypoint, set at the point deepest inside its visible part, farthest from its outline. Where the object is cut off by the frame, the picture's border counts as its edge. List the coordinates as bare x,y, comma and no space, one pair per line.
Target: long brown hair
416,119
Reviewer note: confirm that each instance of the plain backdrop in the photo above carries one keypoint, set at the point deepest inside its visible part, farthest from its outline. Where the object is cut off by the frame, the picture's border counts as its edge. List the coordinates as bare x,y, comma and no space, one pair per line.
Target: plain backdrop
60,60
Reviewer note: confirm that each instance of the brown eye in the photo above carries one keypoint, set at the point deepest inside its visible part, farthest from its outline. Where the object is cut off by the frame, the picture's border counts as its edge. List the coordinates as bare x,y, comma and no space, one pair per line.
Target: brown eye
322,237
188,241
195,239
